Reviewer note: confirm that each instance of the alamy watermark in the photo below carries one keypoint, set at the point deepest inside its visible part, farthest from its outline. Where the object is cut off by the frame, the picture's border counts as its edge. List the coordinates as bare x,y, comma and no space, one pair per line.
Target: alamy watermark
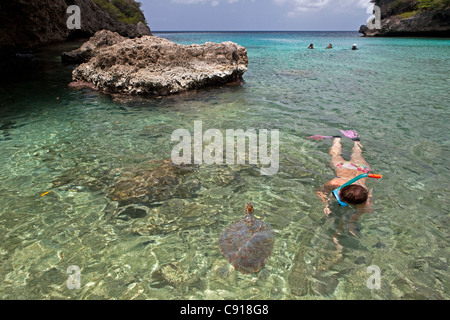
74,279
374,21
208,147
374,281
74,20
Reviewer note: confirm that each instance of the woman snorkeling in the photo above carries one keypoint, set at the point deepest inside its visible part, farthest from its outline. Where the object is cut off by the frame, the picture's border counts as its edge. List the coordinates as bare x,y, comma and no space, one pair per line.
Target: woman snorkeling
349,186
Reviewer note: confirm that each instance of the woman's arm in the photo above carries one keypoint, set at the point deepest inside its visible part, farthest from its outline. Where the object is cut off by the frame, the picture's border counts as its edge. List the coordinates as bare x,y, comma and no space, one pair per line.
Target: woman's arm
323,196
360,210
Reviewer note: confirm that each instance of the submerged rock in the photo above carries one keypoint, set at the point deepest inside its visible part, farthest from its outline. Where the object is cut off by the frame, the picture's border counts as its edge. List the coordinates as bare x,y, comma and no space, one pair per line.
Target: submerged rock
132,212
153,181
177,275
169,274
157,66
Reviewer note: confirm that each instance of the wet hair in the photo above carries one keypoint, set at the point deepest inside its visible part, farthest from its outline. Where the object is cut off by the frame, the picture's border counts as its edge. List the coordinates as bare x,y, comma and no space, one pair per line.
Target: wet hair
354,194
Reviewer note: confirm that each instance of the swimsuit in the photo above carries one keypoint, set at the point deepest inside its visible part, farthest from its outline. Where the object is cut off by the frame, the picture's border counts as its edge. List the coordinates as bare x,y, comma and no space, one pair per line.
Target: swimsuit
352,166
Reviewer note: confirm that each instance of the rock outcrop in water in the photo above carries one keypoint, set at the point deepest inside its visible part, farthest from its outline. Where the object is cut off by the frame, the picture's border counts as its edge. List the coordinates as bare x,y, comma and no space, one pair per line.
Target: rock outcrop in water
101,39
156,66
28,24
411,18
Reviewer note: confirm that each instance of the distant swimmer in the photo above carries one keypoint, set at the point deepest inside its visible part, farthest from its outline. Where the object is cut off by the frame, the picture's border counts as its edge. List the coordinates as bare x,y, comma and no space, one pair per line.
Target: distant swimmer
330,46
311,46
354,47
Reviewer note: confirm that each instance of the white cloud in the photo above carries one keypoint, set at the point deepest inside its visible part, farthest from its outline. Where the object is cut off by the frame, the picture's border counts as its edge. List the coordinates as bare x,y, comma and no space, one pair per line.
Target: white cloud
213,3
298,7
189,1
295,6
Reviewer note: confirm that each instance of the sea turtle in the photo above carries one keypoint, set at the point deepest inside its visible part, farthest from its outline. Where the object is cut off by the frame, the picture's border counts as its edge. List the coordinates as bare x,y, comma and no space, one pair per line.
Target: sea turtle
247,243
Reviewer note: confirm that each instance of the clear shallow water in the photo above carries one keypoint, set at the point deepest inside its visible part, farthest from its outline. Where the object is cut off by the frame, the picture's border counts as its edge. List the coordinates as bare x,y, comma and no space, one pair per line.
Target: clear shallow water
80,145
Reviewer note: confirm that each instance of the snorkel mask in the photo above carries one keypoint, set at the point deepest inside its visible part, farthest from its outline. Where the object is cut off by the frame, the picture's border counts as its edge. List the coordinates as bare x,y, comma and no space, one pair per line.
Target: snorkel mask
365,175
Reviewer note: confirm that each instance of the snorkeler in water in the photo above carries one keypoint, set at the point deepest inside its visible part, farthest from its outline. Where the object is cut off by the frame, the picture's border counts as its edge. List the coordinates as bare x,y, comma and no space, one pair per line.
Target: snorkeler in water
354,47
311,46
355,194
349,186
330,46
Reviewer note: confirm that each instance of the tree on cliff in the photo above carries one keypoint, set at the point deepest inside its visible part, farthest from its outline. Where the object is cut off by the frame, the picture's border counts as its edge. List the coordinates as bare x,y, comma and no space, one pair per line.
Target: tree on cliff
127,11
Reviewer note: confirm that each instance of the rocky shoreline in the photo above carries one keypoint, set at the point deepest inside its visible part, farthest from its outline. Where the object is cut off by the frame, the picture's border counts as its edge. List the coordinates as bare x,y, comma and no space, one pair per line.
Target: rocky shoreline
408,19
119,58
30,24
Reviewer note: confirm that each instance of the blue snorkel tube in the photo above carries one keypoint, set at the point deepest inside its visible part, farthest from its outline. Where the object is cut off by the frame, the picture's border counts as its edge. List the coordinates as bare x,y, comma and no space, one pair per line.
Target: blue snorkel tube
365,175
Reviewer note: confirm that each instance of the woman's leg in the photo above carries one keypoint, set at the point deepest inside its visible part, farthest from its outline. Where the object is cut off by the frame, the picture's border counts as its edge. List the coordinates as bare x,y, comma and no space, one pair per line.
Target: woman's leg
356,156
336,151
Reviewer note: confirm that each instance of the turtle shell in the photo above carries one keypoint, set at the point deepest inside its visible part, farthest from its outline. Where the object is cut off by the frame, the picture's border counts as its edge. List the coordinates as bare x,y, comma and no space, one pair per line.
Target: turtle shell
247,243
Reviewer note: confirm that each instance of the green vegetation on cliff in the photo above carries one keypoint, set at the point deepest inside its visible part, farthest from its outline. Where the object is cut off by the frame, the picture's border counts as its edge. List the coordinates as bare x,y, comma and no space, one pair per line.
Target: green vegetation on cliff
419,6
411,18
433,4
423,4
127,11
408,14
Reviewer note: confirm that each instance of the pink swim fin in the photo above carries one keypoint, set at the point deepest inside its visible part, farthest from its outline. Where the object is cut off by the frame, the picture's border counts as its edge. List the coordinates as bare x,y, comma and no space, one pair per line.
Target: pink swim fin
318,137
351,134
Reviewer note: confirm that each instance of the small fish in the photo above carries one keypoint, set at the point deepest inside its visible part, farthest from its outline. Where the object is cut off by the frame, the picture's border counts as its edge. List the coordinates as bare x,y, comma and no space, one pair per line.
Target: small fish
45,193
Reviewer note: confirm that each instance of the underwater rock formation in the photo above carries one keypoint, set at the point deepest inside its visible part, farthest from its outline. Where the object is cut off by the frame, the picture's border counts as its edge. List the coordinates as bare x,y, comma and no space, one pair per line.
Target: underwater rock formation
152,181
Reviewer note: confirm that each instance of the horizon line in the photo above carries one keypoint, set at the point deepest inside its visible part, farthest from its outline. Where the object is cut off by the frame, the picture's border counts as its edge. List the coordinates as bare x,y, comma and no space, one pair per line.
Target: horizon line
261,31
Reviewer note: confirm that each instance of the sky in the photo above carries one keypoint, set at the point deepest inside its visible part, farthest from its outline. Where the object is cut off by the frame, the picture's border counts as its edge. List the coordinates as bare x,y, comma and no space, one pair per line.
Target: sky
256,15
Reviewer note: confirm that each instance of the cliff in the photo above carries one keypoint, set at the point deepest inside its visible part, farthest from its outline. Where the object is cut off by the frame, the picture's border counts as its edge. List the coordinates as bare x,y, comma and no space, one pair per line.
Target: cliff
427,18
26,24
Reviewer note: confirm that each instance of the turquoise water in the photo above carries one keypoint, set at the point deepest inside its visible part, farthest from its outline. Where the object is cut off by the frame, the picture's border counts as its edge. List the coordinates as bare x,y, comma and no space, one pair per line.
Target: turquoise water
139,228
